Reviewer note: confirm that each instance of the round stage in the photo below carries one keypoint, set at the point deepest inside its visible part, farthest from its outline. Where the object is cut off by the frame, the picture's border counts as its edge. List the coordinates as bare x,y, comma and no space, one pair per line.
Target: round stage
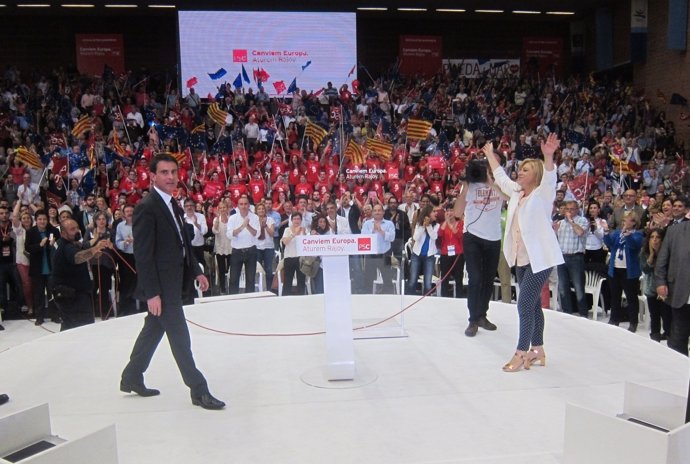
431,394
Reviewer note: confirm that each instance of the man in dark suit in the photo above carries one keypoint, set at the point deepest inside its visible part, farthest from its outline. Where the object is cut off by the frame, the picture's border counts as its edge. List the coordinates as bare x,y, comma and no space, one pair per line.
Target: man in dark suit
164,262
39,244
629,204
672,282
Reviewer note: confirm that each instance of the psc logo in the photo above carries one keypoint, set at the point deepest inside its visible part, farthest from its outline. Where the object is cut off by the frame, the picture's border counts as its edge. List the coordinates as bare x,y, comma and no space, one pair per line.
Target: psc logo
239,56
364,244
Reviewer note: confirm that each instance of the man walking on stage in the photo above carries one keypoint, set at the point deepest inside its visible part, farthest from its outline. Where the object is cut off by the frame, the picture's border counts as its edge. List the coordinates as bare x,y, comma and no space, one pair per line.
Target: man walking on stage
164,263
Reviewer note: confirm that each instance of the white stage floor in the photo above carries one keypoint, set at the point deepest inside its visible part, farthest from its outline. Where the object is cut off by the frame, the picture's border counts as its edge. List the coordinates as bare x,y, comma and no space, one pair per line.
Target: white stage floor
438,396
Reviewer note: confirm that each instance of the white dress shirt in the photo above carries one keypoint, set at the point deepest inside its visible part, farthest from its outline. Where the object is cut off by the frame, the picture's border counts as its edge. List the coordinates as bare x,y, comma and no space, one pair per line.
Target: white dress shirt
245,238
199,231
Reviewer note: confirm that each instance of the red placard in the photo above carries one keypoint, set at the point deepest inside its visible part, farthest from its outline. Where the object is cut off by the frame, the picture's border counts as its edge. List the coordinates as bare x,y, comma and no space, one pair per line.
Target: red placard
94,51
420,54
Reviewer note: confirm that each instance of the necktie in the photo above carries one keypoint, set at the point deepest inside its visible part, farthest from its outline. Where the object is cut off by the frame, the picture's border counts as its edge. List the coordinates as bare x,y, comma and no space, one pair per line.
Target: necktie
178,213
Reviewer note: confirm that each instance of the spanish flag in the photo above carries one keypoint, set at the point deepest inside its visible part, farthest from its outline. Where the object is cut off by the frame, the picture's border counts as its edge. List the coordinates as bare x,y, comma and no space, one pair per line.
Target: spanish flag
83,125
355,152
382,149
418,129
28,157
219,116
315,132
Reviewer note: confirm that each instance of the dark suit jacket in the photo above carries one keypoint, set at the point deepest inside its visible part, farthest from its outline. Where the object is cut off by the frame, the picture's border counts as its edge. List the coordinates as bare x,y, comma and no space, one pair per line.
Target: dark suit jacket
32,244
352,218
618,213
672,264
160,263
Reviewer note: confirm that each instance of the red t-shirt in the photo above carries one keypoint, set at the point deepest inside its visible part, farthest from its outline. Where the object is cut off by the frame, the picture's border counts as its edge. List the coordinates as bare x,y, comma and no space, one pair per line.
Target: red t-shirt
257,189
448,238
304,189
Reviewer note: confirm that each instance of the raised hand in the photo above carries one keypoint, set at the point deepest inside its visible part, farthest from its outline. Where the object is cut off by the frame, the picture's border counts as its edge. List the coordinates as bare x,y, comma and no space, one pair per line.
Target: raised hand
550,146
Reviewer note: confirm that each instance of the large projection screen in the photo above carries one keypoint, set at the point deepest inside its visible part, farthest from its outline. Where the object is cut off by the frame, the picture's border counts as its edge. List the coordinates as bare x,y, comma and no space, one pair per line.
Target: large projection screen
314,48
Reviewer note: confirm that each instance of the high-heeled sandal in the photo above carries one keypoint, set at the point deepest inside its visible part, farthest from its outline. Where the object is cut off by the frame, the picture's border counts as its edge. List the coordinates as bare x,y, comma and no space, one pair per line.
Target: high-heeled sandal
519,361
537,356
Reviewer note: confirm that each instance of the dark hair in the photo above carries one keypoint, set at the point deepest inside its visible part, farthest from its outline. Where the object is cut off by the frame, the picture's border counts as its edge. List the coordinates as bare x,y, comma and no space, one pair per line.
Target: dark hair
40,212
648,236
423,213
153,166
684,200
296,213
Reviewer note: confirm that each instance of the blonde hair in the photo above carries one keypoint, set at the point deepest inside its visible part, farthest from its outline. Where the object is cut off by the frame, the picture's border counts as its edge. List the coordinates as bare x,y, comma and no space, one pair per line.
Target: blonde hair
538,167
634,216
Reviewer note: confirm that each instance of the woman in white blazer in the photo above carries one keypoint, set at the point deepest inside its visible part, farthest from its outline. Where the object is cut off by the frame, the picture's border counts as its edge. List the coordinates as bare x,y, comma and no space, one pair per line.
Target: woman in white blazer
530,244
424,249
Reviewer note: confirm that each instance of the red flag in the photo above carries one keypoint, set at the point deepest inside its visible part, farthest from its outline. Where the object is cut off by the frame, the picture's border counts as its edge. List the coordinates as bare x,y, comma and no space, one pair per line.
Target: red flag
279,86
192,82
318,92
335,113
581,185
59,164
352,71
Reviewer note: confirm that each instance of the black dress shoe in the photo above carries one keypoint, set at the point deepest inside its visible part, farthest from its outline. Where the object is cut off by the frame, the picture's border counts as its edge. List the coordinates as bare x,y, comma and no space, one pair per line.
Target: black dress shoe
4,399
138,388
207,401
633,327
471,329
1,327
39,321
486,324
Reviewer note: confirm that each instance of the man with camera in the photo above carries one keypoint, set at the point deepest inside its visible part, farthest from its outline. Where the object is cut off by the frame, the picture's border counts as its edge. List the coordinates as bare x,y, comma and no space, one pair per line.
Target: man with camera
481,205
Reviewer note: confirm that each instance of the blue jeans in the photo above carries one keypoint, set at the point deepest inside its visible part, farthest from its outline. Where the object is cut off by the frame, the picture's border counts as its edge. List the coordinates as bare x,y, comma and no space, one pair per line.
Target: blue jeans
572,273
266,257
417,264
481,259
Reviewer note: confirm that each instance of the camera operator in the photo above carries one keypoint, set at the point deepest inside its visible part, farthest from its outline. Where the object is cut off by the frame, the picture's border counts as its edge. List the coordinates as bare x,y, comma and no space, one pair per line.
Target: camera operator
481,204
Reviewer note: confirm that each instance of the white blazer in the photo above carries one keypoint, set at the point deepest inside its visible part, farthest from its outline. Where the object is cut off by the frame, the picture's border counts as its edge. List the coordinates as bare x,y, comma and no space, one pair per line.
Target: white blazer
419,236
534,219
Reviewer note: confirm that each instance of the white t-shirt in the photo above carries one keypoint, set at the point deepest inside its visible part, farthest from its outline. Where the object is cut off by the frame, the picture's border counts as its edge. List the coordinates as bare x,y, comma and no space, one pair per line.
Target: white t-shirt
483,212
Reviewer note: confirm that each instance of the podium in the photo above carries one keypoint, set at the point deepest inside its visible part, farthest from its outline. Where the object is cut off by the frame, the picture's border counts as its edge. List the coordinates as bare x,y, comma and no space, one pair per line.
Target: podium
27,438
335,251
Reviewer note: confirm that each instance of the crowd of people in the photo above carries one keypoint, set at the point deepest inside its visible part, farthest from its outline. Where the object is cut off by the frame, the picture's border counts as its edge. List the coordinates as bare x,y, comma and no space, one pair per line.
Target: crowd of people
255,171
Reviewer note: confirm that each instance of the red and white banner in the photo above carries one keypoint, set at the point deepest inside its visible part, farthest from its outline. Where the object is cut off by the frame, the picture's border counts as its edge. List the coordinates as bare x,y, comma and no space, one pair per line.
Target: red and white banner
420,54
94,51
542,57
336,245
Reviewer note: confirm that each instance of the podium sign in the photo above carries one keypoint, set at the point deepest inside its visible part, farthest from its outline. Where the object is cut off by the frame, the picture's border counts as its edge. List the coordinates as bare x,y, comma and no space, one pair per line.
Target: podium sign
335,251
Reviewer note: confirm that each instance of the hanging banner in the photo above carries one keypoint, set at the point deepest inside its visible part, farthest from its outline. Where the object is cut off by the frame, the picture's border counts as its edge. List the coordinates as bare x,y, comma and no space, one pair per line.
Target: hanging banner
420,54
95,51
473,69
542,56
638,30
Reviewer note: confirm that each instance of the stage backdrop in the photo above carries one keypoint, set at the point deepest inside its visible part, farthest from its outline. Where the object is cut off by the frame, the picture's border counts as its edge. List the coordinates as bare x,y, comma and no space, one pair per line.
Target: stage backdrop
420,54
277,48
94,51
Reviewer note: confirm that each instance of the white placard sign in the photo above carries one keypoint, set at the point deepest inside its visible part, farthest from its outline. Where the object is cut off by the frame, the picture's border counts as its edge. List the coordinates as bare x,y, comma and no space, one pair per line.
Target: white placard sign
337,245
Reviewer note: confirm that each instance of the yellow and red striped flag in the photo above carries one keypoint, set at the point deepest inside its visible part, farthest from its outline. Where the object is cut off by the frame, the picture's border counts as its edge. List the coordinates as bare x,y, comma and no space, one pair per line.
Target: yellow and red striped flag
219,116
355,152
382,149
199,129
91,153
418,129
81,126
179,156
119,149
315,132
28,157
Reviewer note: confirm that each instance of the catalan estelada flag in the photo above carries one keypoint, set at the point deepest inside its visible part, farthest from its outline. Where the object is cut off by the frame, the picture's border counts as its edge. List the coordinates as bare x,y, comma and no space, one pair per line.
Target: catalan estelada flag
315,132
355,152
418,129
382,149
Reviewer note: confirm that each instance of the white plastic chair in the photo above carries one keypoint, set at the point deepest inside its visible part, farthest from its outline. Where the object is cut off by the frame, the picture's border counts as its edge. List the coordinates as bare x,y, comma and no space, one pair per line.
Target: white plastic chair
379,280
593,281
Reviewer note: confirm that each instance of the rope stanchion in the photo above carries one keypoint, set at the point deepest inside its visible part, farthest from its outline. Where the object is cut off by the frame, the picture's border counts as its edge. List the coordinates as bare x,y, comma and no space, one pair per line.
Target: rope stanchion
406,308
